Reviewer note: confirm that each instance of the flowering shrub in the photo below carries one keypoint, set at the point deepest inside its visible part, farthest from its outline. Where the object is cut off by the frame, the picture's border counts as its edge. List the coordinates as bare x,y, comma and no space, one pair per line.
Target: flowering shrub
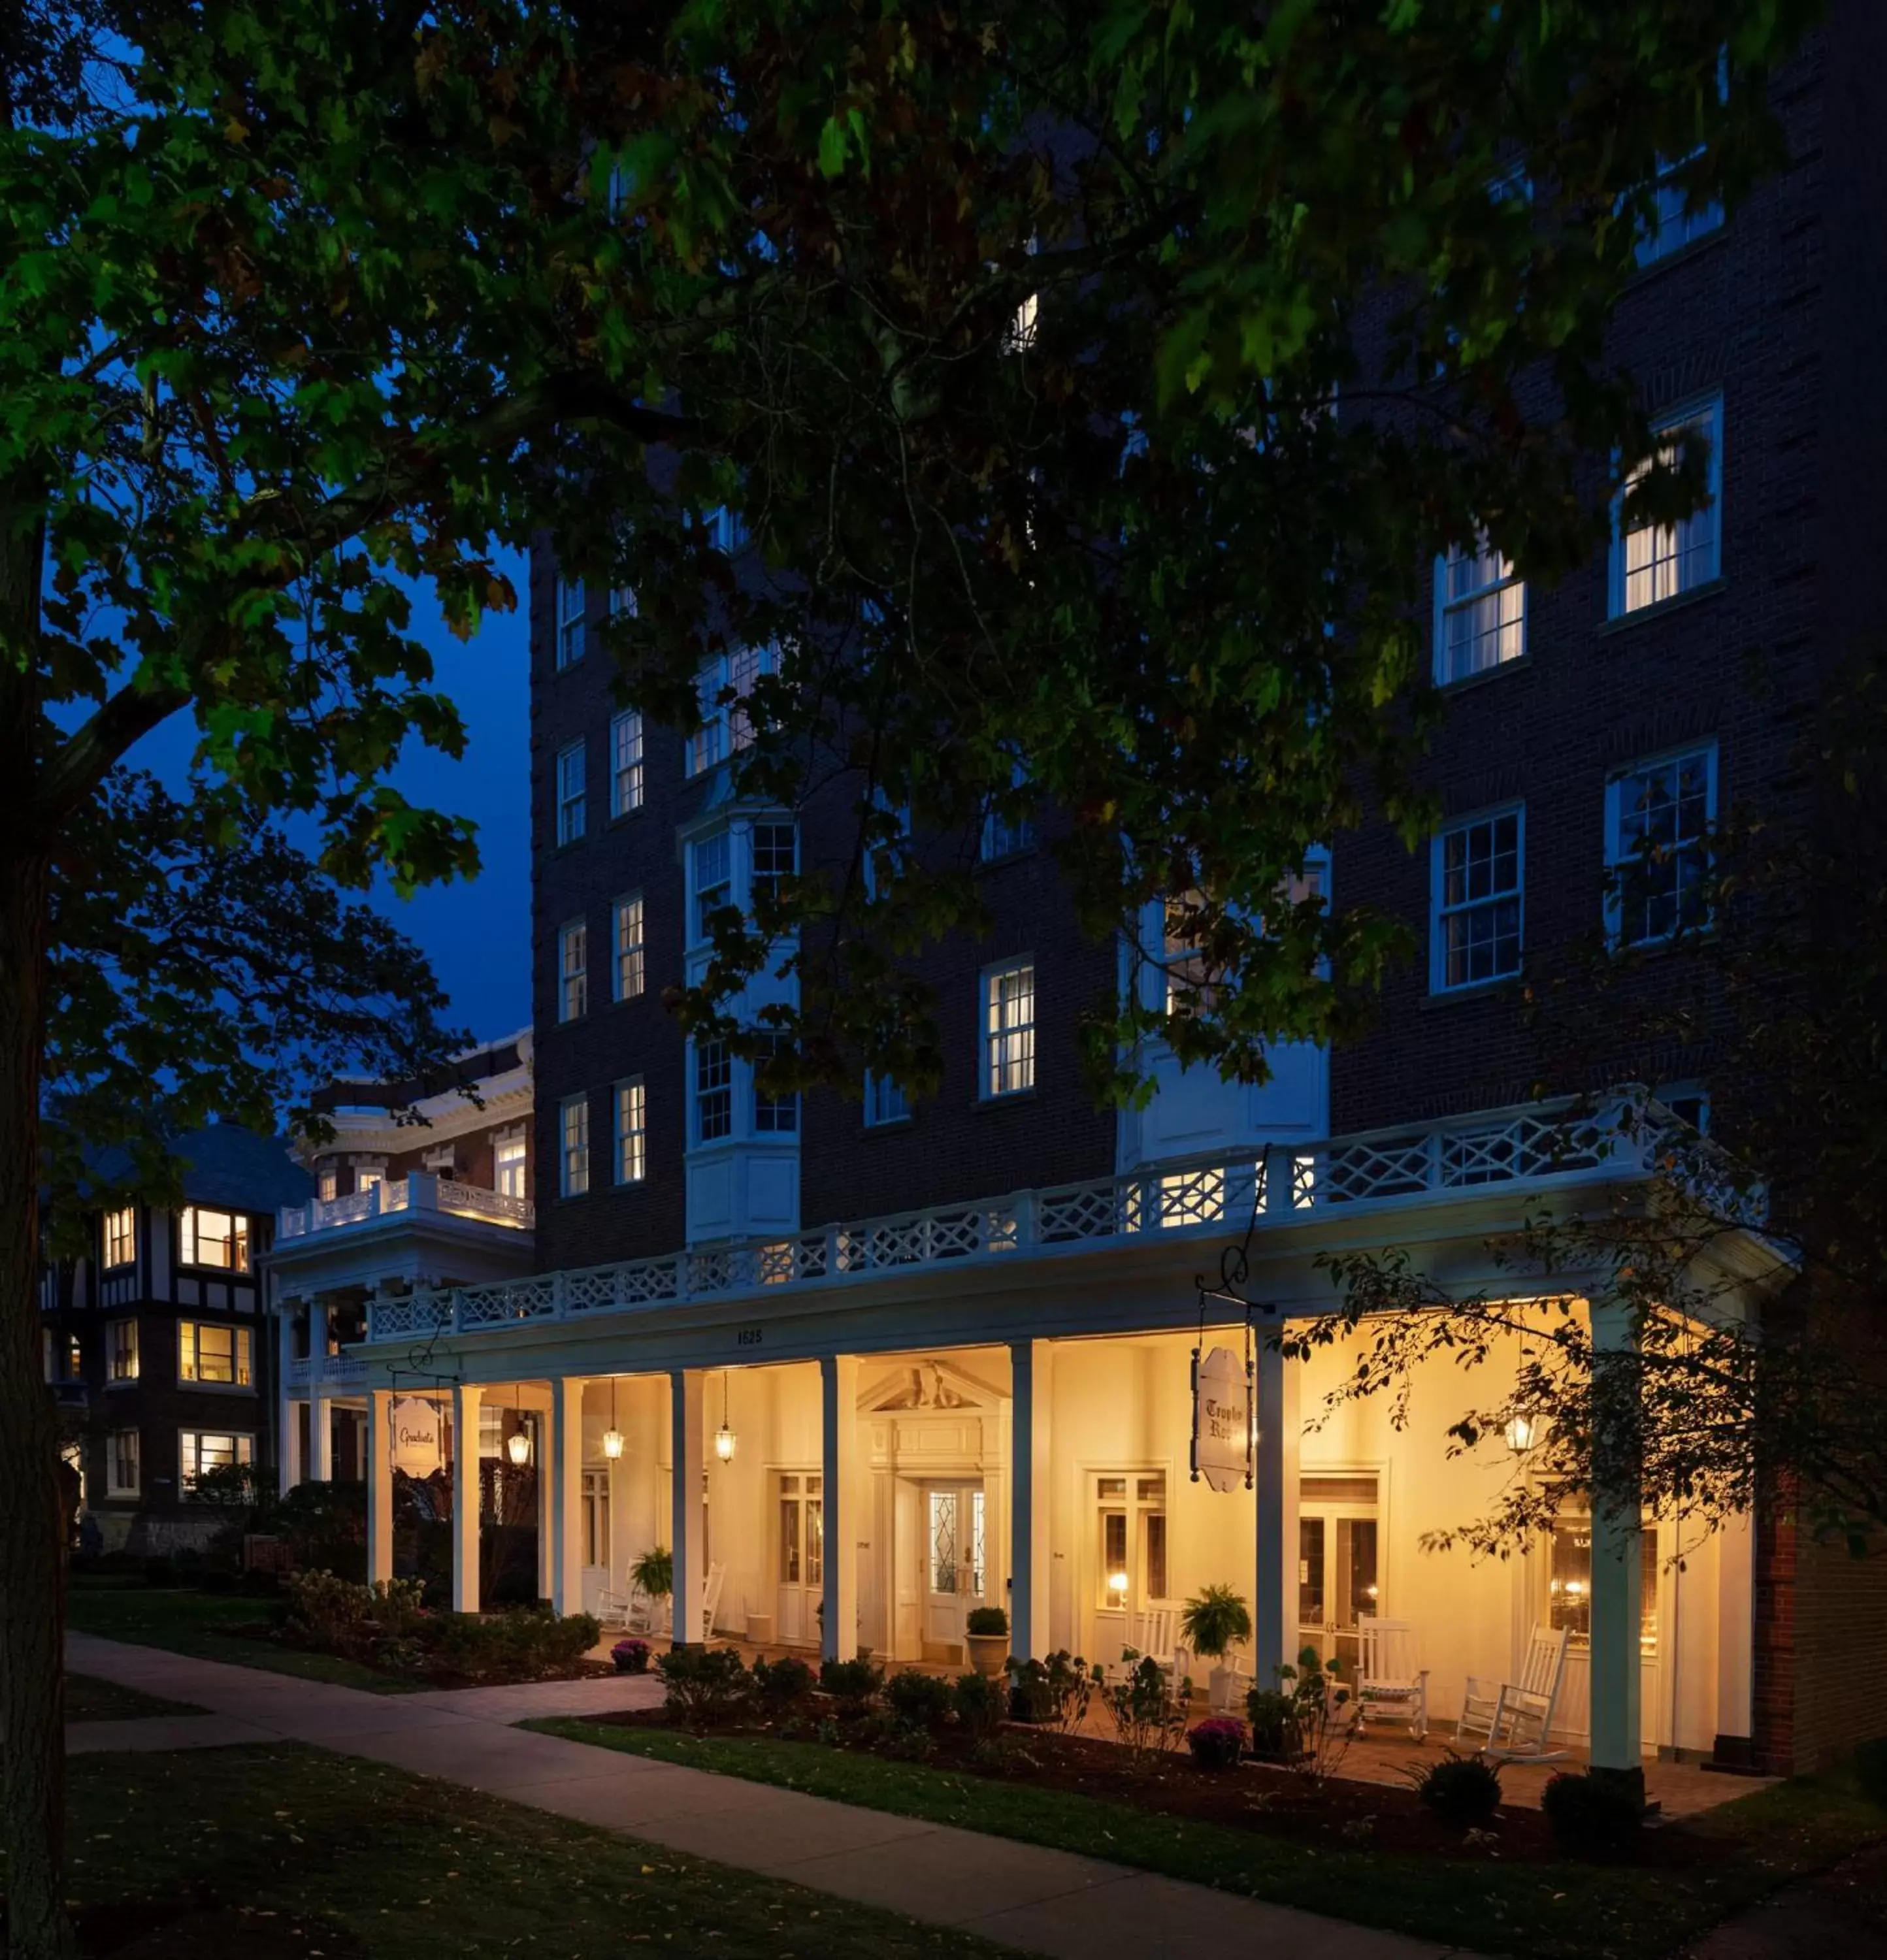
1217,1743
630,1657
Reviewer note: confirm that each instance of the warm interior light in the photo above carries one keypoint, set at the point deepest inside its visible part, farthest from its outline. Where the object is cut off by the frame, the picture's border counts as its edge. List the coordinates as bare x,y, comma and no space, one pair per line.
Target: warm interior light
517,1447
1117,1583
612,1442
723,1443
1520,1434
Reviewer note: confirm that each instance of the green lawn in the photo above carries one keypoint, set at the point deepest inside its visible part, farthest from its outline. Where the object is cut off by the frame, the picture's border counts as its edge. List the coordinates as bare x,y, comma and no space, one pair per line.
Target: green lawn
286,1851
88,1699
198,1623
1570,1912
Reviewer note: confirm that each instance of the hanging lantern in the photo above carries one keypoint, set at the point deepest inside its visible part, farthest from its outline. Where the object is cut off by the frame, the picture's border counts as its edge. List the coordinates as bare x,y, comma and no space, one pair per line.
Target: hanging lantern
612,1436
1520,1434
723,1435
517,1447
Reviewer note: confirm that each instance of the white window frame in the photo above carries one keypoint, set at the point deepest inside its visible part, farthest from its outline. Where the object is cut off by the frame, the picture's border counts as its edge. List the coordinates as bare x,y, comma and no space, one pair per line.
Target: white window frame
630,1103
116,1457
885,1103
627,767
1007,1047
121,1237
190,1240
573,970
118,1351
782,1112
716,1057
1000,838
511,1157
725,887
725,726
751,840
1674,225
242,1355
573,607
1620,862
572,1145
190,1455
628,948
327,1184
1690,544
1497,587
572,794
1441,911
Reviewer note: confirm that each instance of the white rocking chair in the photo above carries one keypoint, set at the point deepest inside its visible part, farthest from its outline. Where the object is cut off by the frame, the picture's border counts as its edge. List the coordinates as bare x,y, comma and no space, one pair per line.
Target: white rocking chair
1390,1687
1153,1634
1515,1718
627,1607
711,1597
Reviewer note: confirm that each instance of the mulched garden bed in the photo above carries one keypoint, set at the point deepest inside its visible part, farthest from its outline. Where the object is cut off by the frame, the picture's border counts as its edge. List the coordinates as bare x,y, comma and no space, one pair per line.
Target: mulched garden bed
270,1635
1253,1796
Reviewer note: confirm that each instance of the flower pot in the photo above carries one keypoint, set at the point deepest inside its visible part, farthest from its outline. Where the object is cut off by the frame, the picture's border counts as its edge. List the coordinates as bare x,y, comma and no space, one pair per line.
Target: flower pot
988,1653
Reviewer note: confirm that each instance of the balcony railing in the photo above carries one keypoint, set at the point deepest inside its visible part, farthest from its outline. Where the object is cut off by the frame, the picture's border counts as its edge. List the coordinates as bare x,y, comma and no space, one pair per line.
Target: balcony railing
336,1371
420,1190
1543,1145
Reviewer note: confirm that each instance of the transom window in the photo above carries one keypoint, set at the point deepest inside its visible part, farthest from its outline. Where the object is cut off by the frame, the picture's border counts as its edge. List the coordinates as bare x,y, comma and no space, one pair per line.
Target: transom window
572,604
1659,815
214,1239
121,1351
1478,901
630,974
207,1352
713,881
507,1165
885,1101
121,1236
774,1116
199,1450
714,1091
570,793
1480,613
573,970
1009,1029
631,1132
1653,562
625,763
573,1131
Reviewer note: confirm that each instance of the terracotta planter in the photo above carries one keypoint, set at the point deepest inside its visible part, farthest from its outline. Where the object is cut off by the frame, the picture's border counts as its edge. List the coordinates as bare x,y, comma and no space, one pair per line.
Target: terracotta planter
988,1653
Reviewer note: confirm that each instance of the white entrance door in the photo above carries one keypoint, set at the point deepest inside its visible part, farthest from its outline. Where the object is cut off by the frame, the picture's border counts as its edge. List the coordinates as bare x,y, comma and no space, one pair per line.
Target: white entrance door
1338,1568
595,1535
955,1573
800,1552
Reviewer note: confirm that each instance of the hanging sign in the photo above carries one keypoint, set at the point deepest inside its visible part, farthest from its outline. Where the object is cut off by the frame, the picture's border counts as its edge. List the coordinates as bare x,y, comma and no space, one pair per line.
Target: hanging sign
418,1444
1221,1420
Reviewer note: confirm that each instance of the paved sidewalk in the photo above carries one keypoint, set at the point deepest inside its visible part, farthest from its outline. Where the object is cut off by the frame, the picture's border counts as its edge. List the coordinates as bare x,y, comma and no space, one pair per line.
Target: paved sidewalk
1024,1896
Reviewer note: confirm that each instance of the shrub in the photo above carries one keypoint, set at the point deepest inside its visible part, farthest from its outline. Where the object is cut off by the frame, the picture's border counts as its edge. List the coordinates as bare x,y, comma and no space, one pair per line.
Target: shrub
1217,1743
1055,1691
1592,1815
1001,1755
1318,1700
630,1657
1464,1791
986,1620
919,1701
1149,1713
1215,1619
518,1644
1273,1715
854,1685
703,1684
979,1703
782,1684
336,1616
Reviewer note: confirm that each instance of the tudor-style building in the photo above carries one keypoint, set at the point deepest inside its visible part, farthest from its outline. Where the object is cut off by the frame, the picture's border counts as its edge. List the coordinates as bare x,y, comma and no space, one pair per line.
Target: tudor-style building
862,1366
156,1345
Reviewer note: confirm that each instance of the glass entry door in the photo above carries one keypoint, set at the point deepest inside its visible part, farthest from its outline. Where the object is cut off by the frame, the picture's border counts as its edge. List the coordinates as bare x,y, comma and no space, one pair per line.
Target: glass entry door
1338,1582
956,1570
800,1550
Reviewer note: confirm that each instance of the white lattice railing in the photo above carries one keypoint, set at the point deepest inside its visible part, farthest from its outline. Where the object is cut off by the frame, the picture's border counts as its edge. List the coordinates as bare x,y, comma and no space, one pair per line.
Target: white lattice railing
1217,1195
337,1371
419,1191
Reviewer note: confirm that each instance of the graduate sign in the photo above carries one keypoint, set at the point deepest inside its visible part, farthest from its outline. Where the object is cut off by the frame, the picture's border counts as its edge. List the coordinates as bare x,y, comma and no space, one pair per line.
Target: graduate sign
419,1443
1221,1420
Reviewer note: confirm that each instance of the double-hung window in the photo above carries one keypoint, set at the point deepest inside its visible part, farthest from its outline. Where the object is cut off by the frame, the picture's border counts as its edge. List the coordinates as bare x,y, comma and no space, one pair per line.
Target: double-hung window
1658,819
1480,613
1477,870
219,1356
1673,222
713,869
774,1114
1191,987
508,1158
631,1132
714,1091
200,1449
207,1238
571,607
723,689
1009,1029
121,1464
625,763
573,970
570,793
775,859
629,971
1654,562
885,1101
121,1236
572,1145
121,1351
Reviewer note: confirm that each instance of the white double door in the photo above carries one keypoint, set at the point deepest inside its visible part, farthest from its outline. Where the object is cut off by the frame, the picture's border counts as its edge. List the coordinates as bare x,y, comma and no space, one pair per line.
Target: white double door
956,1576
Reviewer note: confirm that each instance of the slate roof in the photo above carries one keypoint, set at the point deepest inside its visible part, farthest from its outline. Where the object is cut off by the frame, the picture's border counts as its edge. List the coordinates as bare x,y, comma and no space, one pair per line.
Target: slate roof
228,1166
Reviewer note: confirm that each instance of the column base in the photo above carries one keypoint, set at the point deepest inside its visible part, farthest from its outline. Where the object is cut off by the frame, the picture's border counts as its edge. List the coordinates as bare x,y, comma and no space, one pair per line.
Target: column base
1734,1755
1631,1780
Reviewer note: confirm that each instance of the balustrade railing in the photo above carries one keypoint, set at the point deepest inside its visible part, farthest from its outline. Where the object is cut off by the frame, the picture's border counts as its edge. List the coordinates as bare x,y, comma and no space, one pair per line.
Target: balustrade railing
419,1191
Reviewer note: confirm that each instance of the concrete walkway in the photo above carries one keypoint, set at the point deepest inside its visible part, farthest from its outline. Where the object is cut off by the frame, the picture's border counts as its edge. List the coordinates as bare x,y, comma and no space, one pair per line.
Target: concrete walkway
1023,1896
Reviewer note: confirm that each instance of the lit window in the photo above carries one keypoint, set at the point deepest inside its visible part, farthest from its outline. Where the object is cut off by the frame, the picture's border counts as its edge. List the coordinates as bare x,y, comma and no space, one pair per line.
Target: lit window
1480,614
573,970
1658,818
626,763
200,1451
1190,987
713,880
121,1350
714,1091
1009,1030
1672,223
326,1184
774,1116
366,1180
121,1236
214,1239
775,859
1657,561
572,1124
629,974
723,689
121,1464
631,1133
507,1165
1476,873
885,1101
570,793
570,608
217,1355
1024,324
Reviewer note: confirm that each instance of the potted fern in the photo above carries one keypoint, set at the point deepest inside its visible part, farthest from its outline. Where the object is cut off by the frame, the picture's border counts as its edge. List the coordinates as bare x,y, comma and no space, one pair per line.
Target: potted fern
1211,1624
654,1573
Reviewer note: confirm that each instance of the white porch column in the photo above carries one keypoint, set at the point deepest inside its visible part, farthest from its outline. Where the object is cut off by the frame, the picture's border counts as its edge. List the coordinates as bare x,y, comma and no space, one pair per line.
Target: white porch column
1735,1640
1618,1714
379,1486
1031,1385
838,1408
688,1540
320,1420
560,1479
1274,1594
466,1398
288,1424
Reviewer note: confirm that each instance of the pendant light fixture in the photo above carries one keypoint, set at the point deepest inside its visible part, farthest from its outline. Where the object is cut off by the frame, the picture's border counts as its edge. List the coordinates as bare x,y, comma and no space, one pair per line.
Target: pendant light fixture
723,1435
612,1436
517,1444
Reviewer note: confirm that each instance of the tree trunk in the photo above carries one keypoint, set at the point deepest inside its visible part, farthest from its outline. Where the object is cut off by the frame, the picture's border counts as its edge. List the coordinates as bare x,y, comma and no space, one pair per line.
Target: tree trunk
33,1526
